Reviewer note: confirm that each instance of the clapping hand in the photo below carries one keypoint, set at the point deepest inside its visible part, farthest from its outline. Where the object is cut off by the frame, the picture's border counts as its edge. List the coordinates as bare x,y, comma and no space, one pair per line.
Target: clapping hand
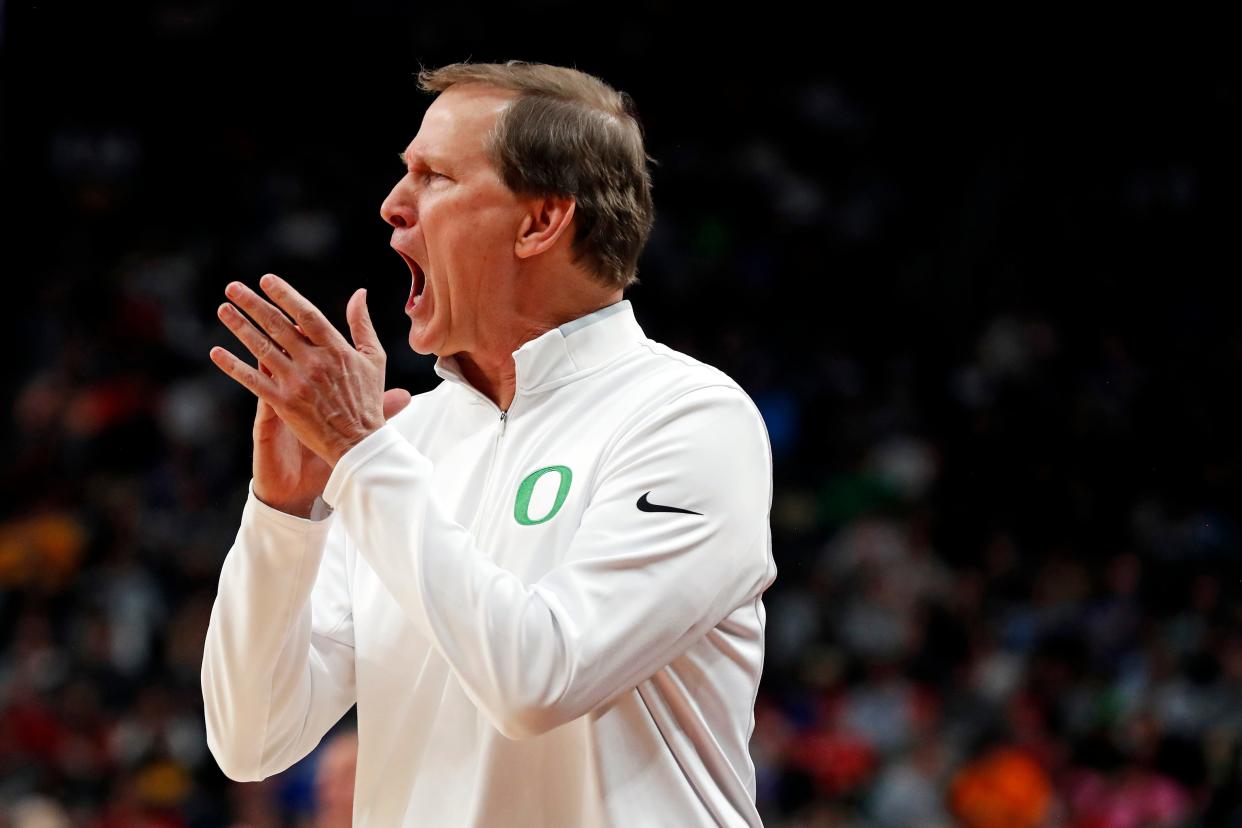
318,394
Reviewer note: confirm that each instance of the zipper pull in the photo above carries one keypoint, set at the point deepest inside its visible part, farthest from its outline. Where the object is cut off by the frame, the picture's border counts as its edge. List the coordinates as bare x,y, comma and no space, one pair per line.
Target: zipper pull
504,418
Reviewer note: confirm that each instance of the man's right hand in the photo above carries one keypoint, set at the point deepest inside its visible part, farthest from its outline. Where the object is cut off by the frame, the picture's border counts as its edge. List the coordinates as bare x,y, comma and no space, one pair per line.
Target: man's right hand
287,475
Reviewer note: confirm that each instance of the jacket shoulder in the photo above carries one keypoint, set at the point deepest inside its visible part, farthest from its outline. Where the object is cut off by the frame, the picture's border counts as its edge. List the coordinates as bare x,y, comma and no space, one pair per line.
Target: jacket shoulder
668,380
679,372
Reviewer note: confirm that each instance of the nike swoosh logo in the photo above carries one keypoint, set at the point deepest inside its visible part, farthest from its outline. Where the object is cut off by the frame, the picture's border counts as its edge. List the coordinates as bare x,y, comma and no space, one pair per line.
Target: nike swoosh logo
645,505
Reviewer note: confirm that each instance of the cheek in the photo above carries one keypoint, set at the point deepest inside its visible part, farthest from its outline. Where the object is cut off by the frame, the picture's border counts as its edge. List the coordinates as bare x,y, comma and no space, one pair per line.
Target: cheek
497,234
479,243
471,239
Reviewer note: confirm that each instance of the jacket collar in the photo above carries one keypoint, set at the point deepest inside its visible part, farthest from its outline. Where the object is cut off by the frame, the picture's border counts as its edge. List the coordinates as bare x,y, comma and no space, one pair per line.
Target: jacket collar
566,352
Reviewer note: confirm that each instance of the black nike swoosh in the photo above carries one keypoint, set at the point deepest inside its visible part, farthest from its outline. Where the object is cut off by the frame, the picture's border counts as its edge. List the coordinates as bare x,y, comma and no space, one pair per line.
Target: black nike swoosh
645,505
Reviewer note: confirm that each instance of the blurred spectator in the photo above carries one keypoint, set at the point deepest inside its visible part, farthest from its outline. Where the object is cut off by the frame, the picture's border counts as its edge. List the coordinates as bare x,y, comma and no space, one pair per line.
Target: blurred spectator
1003,789
334,781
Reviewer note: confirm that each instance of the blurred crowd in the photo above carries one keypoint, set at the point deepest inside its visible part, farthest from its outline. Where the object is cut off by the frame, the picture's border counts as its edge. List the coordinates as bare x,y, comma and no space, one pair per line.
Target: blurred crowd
1000,394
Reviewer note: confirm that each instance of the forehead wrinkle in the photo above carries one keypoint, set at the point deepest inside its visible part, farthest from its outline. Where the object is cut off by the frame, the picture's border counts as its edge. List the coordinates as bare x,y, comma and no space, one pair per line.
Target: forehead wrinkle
412,157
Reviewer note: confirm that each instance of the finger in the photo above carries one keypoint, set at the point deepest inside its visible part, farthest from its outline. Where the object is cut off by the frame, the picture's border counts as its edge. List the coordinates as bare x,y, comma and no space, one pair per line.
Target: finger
313,324
267,316
259,344
360,326
248,377
264,412
395,400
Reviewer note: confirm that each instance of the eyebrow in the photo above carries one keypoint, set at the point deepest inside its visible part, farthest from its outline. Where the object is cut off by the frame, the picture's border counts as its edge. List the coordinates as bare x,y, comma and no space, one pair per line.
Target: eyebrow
435,162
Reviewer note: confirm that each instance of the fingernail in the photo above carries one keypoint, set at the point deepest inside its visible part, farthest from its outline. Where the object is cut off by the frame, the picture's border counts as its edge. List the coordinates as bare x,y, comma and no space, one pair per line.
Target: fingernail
233,290
268,280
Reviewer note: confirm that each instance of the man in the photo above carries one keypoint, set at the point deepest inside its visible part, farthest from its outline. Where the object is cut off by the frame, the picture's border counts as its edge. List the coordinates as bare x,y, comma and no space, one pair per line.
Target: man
540,582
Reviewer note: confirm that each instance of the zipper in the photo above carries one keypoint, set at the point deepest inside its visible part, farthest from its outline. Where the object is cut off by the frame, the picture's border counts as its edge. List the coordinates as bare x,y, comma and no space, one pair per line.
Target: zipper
487,478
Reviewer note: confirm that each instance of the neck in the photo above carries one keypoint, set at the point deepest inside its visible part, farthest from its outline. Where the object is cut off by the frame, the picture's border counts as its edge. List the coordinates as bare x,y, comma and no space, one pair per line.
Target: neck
492,370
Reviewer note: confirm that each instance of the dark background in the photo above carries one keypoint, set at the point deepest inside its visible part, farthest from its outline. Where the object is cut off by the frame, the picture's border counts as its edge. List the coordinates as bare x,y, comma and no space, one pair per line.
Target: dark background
977,277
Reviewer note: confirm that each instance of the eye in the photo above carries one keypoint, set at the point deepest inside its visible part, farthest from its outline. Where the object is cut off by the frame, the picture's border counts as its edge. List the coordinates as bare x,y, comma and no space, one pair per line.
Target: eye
429,174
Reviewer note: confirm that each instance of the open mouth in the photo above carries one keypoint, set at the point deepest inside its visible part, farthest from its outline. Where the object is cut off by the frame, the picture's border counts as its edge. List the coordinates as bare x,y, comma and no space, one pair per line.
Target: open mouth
418,281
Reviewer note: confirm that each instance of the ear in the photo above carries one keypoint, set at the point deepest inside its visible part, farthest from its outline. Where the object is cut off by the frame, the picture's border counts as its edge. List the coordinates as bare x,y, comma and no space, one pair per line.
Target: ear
547,219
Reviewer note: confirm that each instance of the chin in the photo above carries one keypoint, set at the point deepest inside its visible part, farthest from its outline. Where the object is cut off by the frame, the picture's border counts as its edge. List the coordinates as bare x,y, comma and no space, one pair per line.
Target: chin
419,346
424,342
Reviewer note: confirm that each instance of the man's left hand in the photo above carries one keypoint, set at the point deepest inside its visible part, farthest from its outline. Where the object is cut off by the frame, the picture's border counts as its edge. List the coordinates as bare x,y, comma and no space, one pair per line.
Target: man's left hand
329,392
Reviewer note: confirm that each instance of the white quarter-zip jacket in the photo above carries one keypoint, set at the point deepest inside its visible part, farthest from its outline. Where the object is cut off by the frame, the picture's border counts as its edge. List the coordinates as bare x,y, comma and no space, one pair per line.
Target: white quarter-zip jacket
550,616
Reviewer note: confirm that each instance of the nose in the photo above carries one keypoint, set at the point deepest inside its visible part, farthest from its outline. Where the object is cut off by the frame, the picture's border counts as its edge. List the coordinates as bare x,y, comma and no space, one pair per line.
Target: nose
398,207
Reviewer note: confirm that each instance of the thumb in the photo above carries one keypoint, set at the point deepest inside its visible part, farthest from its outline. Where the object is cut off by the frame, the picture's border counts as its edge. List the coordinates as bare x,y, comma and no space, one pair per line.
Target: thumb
360,327
395,399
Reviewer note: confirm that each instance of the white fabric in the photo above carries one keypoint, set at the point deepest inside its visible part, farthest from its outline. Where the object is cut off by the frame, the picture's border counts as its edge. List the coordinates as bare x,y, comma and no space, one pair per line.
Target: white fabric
596,668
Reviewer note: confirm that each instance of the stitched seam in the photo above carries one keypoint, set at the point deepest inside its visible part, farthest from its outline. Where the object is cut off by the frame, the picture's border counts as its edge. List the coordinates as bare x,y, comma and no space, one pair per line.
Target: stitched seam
581,373
637,421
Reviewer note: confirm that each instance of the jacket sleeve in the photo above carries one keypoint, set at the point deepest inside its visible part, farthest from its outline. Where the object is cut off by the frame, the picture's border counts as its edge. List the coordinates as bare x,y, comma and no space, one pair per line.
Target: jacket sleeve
635,589
278,660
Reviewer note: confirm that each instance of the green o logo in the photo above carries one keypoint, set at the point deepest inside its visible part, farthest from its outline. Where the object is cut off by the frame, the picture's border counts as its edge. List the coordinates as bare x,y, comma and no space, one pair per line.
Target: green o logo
521,507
